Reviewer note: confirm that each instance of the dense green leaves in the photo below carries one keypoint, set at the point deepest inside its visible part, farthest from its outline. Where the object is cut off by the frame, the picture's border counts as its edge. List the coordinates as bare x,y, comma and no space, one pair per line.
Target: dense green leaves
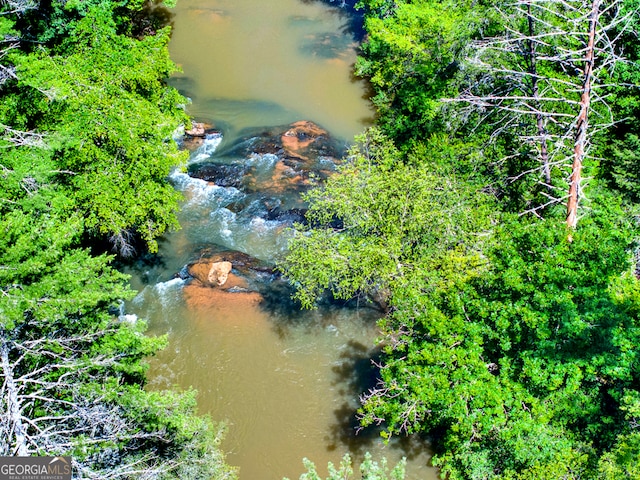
510,340
377,220
410,58
522,365
86,127
110,121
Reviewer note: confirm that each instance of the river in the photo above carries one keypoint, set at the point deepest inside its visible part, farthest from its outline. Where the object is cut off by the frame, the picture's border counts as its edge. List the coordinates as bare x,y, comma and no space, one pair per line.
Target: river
285,381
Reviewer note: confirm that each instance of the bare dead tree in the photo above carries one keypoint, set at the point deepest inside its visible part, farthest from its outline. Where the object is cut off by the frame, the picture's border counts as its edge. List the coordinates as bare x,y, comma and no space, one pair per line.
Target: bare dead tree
540,81
7,71
43,408
582,122
9,42
9,7
19,138
10,137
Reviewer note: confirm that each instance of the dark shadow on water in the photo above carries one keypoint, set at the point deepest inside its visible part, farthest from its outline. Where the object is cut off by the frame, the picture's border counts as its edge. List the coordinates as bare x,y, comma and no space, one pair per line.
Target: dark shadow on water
354,373
279,303
327,45
152,17
184,84
357,373
287,313
355,24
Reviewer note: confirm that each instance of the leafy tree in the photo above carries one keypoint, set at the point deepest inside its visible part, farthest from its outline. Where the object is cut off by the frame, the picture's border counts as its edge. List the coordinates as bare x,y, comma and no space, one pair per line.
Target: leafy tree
72,374
369,470
111,120
521,367
86,143
377,220
509,340
410,57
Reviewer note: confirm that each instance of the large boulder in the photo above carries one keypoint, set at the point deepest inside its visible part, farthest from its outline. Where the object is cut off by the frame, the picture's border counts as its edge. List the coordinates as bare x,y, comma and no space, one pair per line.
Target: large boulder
241,269
219,273
304,140
300,143
212,281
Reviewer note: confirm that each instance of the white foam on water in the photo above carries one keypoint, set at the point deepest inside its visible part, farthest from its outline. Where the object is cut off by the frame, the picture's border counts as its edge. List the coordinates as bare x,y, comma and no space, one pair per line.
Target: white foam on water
169,291
224,220
207,149
262,161
178,133
170,285
131,318
203,193
261,226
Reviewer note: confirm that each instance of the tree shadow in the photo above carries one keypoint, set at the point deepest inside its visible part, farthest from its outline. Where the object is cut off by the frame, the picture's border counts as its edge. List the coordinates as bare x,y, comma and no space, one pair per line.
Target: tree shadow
357,373
354,373
152,17
355,17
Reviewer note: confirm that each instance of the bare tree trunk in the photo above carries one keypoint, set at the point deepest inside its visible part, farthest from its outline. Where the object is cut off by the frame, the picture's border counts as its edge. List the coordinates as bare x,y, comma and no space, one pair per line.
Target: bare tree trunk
537,81
582,121
16,427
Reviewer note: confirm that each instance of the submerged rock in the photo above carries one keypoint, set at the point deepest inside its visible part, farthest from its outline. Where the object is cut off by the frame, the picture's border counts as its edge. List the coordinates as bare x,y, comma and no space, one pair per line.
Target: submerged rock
305,140
274,161
283,178
197,296
221,174
291,216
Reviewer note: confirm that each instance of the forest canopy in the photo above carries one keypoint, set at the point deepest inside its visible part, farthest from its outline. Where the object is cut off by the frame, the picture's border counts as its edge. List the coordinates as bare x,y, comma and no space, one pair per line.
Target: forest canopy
492,212
86,125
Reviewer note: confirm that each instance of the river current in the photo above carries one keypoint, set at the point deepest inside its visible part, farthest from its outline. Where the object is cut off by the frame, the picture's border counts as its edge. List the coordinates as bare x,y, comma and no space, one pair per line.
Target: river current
286,382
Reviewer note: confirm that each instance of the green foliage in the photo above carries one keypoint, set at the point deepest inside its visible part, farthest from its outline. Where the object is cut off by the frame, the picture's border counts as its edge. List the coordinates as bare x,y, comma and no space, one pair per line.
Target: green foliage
369,470
621,142
410,59
522,368
77,372
53,23
43,277
376,220
508,340
111,121
86,140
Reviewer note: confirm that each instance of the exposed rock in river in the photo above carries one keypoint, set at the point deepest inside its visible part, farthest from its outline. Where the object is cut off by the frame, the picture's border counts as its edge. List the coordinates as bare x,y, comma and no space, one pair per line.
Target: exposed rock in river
247,269
224,277
196,135
270,167
219,273
304,141
274,161
221,174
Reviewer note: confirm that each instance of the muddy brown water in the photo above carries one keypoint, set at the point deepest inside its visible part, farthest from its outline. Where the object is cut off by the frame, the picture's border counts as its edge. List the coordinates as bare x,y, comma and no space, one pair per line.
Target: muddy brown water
285,381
